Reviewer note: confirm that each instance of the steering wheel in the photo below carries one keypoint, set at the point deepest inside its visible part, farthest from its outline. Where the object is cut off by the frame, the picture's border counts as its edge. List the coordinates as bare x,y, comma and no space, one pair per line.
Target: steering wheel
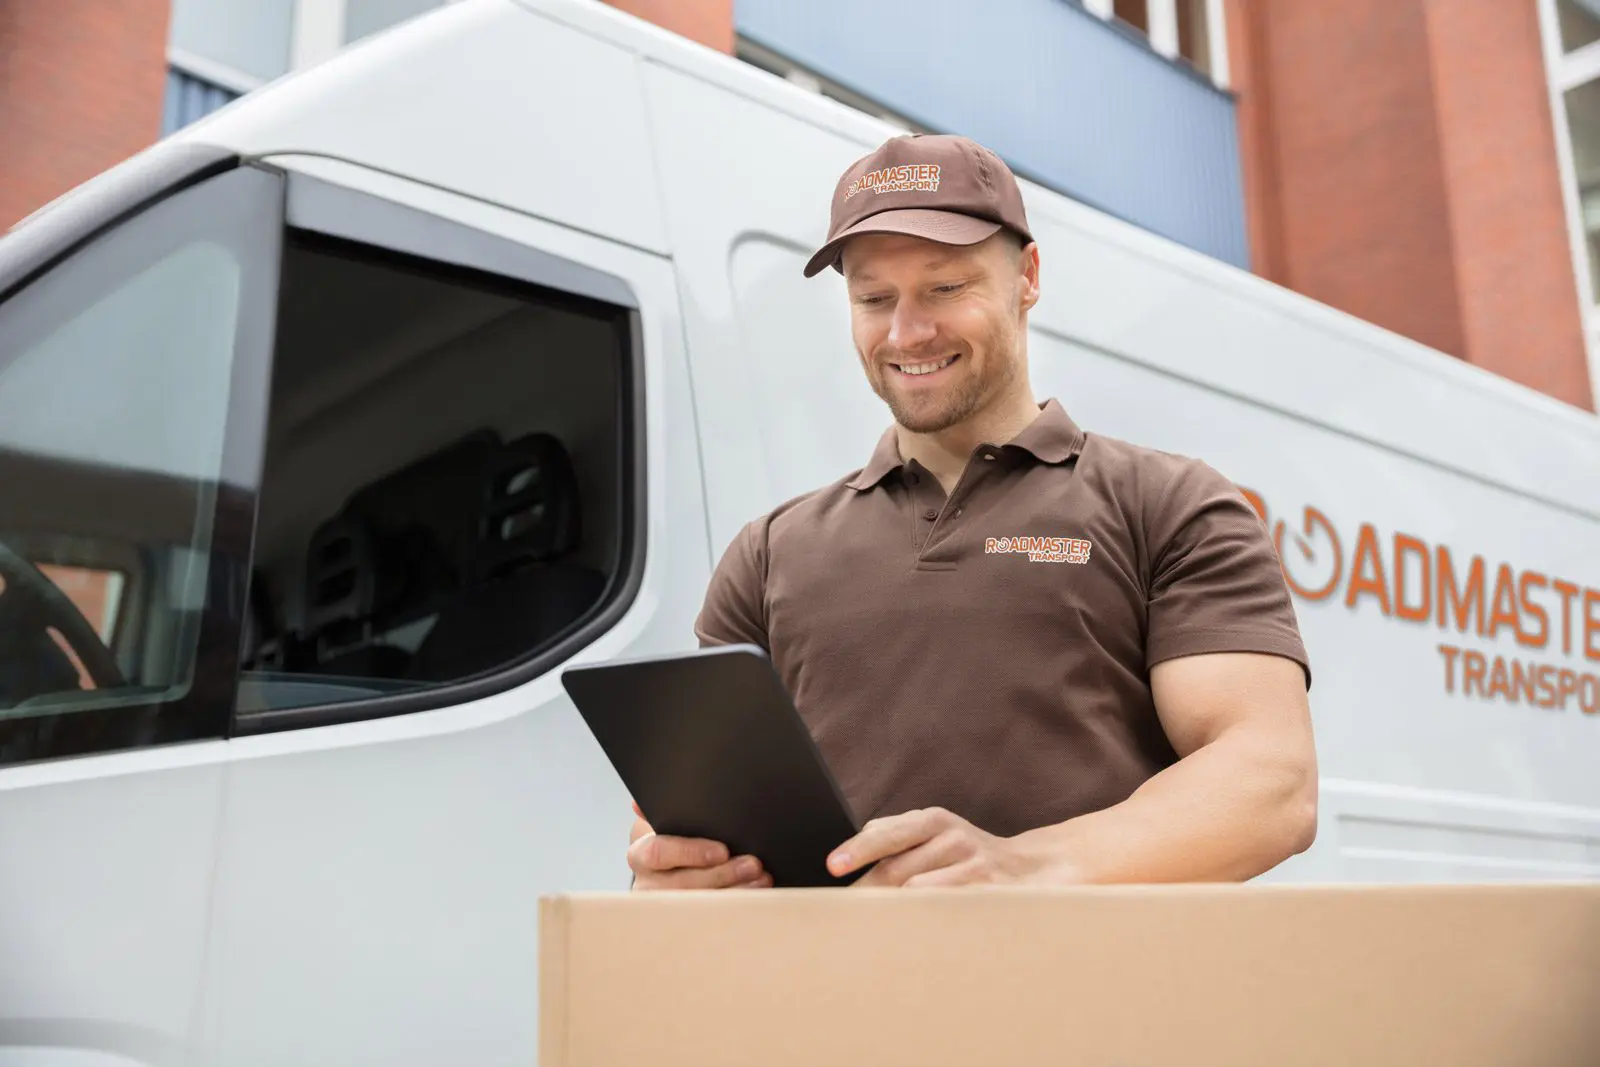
28,583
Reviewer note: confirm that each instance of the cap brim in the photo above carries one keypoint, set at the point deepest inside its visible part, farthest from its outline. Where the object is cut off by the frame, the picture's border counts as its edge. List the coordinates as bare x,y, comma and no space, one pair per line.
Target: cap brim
946,227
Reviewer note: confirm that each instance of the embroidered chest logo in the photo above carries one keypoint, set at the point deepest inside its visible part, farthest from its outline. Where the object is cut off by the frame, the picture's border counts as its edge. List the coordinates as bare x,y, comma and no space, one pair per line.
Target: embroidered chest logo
1042,549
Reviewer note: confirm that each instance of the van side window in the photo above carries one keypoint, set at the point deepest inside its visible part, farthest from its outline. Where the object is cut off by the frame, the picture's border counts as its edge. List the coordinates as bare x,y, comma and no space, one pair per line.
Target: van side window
117,368
441,497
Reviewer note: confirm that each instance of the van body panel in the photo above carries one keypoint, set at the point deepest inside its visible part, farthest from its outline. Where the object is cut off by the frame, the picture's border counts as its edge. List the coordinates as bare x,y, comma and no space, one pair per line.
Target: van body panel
475,98
107,894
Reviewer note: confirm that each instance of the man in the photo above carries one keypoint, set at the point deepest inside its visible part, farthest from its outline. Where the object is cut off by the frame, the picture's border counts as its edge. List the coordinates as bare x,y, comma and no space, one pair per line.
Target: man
1030,654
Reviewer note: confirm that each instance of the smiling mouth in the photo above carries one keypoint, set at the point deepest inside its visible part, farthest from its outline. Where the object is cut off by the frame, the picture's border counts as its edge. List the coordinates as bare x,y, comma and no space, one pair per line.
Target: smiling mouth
918,370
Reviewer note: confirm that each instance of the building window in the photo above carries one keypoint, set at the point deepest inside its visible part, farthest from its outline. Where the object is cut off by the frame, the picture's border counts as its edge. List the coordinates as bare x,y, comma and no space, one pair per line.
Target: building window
1571,31
1191,32
190,98
1579,22
1582,106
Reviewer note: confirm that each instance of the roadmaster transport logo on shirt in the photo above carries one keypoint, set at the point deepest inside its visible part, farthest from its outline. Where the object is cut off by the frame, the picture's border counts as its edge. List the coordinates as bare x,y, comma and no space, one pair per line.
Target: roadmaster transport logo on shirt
1042,549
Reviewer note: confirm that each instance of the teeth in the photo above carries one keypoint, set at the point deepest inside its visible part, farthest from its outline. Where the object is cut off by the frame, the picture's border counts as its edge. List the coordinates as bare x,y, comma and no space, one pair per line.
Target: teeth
925,368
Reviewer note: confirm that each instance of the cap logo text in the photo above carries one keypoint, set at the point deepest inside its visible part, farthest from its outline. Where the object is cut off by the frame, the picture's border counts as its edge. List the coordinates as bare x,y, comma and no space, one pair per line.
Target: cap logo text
906,178
1042,549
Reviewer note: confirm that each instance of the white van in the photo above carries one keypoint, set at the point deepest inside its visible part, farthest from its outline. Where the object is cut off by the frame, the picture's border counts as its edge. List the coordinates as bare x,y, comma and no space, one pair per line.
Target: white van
303,408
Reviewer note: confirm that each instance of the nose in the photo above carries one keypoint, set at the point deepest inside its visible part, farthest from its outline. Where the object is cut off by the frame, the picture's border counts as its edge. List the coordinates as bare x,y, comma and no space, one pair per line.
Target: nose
911,326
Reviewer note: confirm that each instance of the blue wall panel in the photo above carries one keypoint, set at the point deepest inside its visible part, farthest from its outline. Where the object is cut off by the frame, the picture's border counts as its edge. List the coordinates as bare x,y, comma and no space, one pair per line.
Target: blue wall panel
189,99
1066,99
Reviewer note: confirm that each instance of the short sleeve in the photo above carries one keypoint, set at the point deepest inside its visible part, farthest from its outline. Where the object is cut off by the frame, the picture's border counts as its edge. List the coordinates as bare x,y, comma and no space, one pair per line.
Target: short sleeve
1216,583
734,609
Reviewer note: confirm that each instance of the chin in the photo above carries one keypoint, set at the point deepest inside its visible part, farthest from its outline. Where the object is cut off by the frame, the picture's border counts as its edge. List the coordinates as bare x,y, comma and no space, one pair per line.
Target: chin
928,418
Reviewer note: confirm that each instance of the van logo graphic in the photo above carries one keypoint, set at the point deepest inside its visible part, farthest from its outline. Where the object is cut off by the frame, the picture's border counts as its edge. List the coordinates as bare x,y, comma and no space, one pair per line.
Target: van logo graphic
1042,549
906,178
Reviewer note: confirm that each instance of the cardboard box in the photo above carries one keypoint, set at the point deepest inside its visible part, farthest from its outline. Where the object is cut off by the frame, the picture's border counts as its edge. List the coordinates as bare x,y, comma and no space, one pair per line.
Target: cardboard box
1202,976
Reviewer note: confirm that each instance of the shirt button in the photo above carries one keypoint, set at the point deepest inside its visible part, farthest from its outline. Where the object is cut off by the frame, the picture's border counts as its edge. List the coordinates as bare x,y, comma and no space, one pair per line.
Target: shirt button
930,514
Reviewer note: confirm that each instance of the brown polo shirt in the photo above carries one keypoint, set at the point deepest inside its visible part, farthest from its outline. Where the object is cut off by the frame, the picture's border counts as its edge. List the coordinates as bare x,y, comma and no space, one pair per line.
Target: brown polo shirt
989,653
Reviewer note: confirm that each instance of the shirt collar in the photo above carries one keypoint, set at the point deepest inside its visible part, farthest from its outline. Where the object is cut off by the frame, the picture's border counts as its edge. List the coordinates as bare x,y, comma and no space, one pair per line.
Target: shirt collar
1051,438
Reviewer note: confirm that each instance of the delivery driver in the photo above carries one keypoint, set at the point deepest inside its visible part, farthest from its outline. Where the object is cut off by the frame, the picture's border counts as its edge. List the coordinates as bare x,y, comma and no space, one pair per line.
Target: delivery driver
1029,653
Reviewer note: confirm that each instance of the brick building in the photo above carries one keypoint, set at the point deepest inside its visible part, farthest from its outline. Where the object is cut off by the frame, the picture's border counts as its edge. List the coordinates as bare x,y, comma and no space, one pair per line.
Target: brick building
1431,166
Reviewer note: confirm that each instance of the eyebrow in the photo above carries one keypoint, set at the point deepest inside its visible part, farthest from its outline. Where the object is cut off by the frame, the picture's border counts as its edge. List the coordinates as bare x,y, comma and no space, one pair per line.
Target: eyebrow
937,263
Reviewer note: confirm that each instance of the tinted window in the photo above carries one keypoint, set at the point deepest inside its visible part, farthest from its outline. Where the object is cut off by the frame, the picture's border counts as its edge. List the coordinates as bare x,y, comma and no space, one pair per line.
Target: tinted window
117,385
442,492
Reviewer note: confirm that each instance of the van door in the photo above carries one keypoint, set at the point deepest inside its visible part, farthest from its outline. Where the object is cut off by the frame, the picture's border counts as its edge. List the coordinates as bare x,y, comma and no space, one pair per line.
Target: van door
481,466
136,321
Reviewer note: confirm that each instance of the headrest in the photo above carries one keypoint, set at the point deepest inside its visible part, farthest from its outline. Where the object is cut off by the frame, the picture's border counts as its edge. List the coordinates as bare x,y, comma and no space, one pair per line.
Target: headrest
530,509
341,573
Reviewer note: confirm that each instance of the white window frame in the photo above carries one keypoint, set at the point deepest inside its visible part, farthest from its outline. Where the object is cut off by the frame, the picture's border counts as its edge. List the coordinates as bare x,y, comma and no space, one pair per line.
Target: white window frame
318,32
1567,71
1162,16
1217,43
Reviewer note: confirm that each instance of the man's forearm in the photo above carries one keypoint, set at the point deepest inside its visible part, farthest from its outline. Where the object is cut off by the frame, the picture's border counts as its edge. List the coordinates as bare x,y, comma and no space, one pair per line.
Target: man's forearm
1227,812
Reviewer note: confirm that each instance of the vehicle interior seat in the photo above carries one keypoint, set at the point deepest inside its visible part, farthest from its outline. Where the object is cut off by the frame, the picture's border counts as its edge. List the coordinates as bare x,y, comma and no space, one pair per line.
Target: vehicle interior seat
525,587
344,576
398,550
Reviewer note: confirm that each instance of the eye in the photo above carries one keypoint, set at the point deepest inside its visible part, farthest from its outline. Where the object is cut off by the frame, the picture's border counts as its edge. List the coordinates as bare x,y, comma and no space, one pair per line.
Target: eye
952,287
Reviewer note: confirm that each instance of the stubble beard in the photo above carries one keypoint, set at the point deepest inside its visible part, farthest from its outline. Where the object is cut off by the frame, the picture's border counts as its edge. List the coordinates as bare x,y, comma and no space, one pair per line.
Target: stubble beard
964,398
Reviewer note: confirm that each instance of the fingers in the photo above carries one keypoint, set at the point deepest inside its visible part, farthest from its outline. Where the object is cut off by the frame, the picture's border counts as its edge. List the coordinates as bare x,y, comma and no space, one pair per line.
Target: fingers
662,861
940,853
654,853
888,836
741,872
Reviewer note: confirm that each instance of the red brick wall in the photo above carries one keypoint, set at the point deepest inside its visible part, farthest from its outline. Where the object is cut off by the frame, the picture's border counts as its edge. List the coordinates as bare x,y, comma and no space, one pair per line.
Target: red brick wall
1520,310
1399,165
81,88
710,22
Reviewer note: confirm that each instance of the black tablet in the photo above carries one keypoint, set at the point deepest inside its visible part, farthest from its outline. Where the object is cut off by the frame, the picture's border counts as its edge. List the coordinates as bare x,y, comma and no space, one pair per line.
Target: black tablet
710,745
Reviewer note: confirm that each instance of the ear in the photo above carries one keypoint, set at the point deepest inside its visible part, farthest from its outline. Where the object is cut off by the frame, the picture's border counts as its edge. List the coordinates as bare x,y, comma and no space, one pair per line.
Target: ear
1028,282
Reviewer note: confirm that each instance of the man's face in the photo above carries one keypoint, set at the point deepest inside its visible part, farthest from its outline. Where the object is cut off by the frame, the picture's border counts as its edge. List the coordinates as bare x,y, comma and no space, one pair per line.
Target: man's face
938,327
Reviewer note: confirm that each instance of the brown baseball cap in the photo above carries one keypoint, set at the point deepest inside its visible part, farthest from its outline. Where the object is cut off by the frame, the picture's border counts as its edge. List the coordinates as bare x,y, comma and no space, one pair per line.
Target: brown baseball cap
938,186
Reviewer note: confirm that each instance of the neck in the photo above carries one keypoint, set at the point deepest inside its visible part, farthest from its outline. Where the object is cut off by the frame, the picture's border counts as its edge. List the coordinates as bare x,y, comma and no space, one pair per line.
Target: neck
945,452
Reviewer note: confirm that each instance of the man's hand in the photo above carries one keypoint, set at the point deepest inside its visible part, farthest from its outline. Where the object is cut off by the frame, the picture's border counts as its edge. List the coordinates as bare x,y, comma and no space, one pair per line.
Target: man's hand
663,862
930,847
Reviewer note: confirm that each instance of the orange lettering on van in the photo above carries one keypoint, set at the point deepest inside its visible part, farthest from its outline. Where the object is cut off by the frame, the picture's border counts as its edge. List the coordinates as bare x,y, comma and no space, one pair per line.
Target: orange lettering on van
1473,666
1312,516
1567,591
1367,557
1458,603
1531,608
1591,624
1449,652
1503,606
1404,545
